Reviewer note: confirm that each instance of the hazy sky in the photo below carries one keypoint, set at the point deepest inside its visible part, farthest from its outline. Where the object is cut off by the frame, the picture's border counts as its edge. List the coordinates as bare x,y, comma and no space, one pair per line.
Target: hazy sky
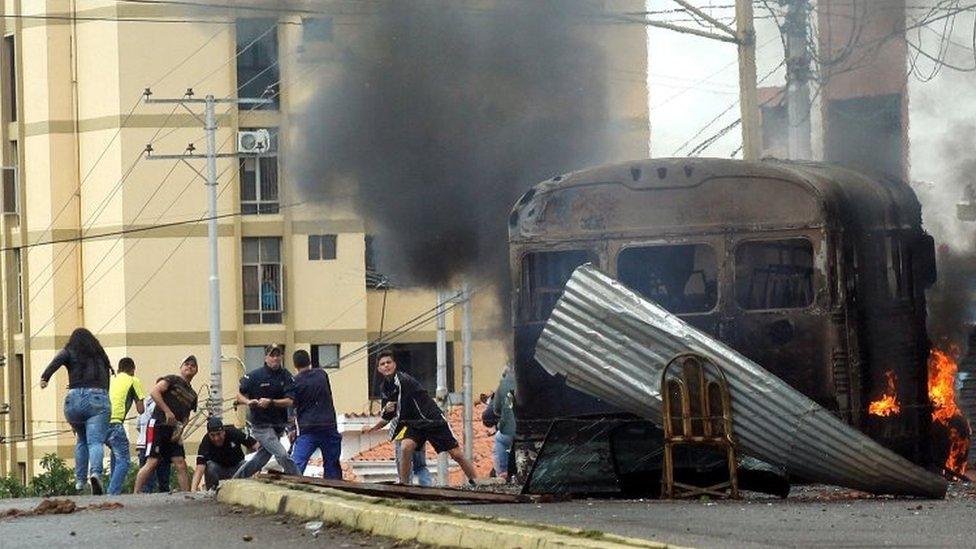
693,80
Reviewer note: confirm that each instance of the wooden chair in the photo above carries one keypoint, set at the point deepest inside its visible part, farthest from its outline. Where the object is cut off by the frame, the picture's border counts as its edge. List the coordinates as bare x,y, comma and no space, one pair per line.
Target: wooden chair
697,412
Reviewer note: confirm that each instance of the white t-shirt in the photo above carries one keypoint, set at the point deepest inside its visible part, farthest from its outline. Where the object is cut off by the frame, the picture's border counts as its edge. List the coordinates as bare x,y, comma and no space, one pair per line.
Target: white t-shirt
143,421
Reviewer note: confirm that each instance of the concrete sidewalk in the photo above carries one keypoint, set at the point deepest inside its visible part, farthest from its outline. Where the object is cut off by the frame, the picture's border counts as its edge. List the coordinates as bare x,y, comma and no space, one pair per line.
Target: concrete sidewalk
434,524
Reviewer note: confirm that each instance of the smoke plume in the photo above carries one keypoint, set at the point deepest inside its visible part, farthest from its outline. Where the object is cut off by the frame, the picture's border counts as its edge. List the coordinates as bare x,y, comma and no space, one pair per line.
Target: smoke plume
442,115
943,166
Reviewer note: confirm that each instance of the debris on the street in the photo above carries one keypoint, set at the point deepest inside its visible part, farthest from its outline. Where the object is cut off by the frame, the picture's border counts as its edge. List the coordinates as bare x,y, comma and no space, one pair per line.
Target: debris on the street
610,342
58,507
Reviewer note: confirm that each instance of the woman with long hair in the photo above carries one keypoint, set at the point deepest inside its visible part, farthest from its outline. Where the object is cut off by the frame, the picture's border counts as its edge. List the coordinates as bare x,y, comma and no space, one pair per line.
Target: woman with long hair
86,406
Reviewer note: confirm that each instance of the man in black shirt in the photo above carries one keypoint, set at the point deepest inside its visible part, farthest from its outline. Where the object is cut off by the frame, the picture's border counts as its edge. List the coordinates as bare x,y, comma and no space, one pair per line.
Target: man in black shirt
175,399
311,396
262,391
418,418
220,454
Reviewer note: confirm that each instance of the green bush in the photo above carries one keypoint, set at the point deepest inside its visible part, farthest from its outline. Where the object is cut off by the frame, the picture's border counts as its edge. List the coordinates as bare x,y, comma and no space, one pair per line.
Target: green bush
11,487
56,480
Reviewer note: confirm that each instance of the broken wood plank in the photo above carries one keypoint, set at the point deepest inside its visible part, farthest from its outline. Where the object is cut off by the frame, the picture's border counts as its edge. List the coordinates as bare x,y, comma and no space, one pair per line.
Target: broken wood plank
400,491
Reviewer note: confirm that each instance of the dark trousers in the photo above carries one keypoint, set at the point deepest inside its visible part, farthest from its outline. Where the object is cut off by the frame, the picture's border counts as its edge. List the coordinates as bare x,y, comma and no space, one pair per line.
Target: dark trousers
215,472
160,479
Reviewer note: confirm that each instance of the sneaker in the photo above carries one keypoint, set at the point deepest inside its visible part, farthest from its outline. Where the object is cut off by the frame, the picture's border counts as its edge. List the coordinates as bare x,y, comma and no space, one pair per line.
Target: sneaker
96,486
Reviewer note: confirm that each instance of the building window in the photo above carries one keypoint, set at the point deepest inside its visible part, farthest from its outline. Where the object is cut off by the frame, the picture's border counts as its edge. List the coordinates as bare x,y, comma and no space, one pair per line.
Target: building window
374,279
682,279
11,189
259,181
321,247
19,270
18,397
10,89
263,303
776,274
316,29
257,60
325,356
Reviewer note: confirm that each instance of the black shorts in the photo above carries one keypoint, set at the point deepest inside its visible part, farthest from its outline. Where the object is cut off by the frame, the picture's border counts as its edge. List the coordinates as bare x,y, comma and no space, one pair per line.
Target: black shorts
159,442
439,435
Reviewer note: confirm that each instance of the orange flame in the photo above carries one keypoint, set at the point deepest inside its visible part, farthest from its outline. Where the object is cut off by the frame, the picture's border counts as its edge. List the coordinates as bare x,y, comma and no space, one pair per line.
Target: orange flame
958,451
888,404
942,382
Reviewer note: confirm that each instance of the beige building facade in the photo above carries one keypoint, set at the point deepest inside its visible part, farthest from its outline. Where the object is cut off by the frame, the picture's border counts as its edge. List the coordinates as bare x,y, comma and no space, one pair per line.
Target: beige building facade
95,234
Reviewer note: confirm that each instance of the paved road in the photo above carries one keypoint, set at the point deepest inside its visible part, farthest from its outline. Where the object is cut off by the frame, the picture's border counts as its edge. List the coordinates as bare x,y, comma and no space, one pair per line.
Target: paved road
167,520
797,522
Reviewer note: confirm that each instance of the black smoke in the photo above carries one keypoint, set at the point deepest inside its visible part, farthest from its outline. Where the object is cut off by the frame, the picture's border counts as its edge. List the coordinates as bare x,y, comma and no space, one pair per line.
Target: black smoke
951,306
441,114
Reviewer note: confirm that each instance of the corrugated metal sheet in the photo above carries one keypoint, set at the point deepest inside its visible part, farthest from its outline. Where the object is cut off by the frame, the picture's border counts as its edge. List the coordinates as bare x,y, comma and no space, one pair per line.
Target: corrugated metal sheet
613,344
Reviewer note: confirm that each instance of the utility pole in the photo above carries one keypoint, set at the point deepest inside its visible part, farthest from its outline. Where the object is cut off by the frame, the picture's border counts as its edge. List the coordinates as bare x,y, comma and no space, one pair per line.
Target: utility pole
797,78
744,36
210,127
442,391
748,93
466,372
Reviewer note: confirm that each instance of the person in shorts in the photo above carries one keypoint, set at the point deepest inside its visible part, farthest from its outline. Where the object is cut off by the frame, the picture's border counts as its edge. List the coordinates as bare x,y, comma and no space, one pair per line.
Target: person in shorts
418,419
175,399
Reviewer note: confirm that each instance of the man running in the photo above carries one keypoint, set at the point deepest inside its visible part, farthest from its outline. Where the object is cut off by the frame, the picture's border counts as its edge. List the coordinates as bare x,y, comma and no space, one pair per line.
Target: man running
175,399
419,419
123,390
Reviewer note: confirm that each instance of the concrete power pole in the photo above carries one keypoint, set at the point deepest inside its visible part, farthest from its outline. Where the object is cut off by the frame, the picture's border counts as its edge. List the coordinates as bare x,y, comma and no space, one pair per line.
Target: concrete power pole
466,372
210,126
442,393
798,78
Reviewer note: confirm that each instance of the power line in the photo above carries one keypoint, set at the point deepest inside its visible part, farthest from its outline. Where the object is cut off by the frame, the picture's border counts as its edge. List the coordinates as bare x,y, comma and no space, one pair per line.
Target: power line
241,6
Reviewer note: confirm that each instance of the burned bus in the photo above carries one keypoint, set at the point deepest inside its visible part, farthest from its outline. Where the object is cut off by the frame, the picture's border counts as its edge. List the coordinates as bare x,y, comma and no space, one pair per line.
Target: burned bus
813,271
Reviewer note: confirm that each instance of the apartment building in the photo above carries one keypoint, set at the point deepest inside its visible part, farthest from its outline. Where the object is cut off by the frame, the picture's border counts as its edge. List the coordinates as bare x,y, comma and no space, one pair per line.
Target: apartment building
73,133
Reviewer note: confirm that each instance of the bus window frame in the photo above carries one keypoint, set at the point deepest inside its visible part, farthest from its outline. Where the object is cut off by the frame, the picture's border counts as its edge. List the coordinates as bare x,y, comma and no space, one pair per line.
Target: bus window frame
717,250
733,263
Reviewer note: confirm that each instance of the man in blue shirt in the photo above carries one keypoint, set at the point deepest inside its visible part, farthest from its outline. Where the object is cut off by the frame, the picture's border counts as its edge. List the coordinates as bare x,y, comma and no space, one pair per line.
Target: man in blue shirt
311,396
263,392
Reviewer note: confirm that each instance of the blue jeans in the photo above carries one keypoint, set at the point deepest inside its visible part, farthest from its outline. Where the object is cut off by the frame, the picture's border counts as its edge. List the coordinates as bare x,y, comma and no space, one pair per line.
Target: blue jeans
87,410
503,445
329,442
419,464
118,443
160,479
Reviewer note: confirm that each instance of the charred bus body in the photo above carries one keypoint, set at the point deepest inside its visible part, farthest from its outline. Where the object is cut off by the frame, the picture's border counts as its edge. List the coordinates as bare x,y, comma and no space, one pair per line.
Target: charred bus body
813,271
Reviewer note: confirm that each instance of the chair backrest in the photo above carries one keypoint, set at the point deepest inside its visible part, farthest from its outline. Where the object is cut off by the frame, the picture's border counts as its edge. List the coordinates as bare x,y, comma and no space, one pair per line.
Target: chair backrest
696,399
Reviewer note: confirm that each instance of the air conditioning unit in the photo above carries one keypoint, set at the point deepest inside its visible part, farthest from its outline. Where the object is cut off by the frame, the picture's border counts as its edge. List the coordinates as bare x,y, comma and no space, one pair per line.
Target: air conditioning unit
254,141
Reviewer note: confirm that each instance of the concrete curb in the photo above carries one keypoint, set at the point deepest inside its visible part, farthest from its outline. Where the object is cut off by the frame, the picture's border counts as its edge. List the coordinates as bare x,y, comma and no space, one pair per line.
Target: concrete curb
432,524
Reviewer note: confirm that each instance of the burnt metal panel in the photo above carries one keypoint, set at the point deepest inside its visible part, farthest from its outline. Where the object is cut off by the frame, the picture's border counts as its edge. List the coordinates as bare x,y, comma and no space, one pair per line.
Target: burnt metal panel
610,342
